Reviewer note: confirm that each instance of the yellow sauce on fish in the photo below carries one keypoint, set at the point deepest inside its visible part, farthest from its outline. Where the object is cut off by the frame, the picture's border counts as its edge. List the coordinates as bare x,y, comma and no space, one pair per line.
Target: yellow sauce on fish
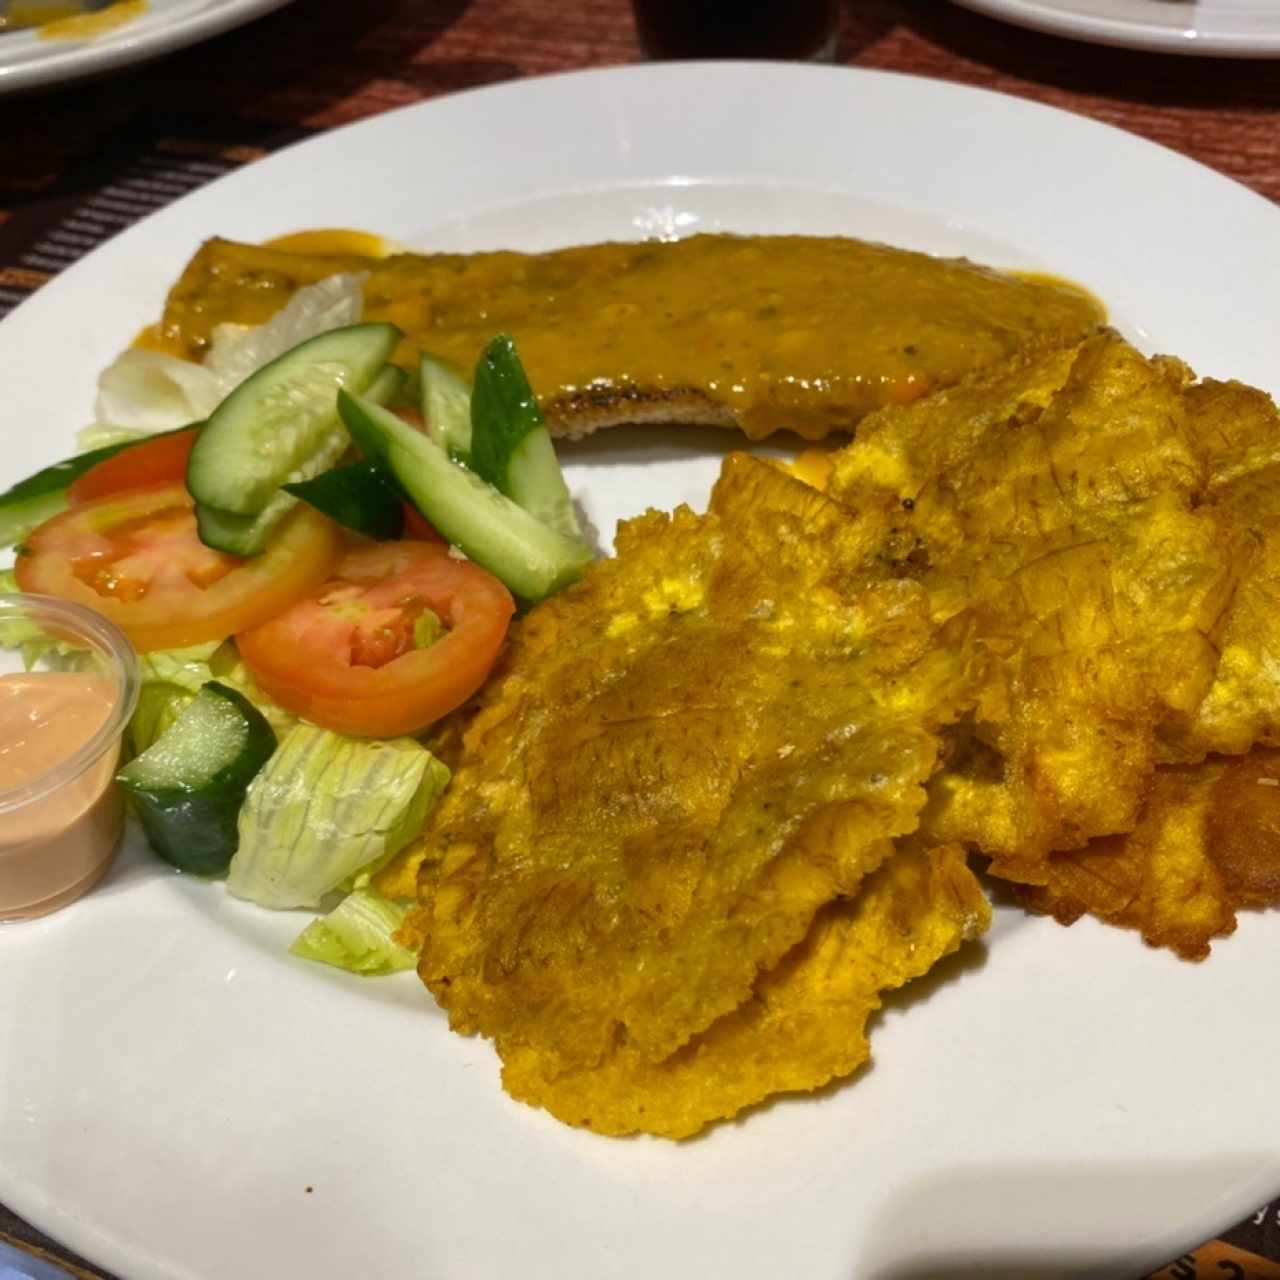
805,332
331,240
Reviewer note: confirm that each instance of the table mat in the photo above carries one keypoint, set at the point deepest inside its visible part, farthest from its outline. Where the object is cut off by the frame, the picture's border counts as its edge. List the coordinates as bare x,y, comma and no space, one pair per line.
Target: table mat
79,163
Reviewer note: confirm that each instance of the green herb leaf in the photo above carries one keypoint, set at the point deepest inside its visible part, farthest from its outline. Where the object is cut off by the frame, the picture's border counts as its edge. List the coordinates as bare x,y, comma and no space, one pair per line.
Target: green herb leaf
359,496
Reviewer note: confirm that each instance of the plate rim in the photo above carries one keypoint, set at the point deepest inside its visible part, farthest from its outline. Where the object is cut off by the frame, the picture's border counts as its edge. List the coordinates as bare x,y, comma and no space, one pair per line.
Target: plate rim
67,279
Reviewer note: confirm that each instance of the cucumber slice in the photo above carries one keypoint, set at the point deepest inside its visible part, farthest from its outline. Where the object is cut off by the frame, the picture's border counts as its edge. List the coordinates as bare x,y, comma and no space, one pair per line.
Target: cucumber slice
446,407
359,496
510,444
40,497
242,535
248,535
188,786
269,428
532,559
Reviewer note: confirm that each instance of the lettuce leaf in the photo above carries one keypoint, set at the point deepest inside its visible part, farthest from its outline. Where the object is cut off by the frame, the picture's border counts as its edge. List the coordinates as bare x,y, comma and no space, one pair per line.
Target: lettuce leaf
187,668
237,350
11,633
97,435
148,391
228,667
327,808
34,643
141,392
358,935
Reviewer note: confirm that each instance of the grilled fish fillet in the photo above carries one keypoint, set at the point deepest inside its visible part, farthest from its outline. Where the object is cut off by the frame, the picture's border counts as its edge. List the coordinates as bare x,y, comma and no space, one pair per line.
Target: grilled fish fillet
761,333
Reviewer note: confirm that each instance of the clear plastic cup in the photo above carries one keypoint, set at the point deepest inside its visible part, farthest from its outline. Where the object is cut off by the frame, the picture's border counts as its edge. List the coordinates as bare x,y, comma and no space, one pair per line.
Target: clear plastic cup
68,686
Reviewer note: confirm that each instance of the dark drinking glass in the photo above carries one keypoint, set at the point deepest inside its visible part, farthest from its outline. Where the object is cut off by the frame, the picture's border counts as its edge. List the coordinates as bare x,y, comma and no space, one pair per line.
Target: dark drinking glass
795,29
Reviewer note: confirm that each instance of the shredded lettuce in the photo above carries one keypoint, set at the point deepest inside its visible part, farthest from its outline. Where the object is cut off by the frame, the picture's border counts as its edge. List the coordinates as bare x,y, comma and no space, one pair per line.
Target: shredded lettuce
229,668
358,935
327,808
14,632
149,391
331,303
36,644
98,435
188,668
141,392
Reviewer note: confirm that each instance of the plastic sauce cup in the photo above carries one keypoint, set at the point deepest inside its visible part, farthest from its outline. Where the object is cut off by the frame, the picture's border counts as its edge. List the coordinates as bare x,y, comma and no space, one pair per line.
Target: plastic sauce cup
68,686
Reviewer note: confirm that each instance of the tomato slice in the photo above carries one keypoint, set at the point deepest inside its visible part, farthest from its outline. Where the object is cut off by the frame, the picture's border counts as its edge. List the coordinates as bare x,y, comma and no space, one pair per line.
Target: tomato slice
417,526
137,559
345,657
161,460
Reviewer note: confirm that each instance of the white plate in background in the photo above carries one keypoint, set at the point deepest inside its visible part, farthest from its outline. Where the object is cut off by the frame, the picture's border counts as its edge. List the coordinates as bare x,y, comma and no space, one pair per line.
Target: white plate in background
179,1098
1228,28
29,59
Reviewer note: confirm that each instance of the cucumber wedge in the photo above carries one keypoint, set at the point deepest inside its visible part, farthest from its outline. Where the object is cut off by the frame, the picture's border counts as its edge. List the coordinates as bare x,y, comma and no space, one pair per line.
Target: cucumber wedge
532,559
446,407
269,428
188,786
510,444
388,384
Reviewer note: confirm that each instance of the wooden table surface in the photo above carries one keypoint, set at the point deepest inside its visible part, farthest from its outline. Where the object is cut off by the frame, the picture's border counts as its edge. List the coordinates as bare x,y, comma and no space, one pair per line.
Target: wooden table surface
166,128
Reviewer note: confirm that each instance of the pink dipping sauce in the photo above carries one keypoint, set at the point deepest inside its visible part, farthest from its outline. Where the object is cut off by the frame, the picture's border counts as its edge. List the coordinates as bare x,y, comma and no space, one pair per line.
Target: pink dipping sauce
61,813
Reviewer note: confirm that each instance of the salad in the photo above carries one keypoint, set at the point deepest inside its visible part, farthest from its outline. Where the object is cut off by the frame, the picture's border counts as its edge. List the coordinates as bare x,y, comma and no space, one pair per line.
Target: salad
316,554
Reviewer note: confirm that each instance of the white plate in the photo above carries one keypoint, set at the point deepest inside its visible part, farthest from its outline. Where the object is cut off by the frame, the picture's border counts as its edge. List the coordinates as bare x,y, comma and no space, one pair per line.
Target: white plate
1231,28
173,1084
28,59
